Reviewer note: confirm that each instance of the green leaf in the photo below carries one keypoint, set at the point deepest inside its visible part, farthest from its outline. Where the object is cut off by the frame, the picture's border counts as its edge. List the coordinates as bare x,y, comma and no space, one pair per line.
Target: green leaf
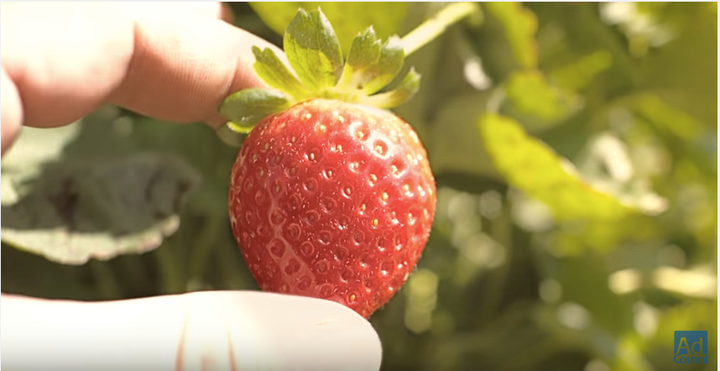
531,166
364,53
371,65
579,74
675,121
247,107
387,67
313,50
274,73
520,25
531,94
407,88
365,50
348,18
75,210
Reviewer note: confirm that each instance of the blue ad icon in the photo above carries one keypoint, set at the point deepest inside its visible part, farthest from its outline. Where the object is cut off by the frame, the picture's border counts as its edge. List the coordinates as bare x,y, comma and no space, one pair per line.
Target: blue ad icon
691,347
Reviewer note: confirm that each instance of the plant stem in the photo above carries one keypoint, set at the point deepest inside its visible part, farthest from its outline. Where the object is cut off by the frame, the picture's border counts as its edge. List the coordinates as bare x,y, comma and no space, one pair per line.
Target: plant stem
107,285
167,260
207,240
500,231
435,26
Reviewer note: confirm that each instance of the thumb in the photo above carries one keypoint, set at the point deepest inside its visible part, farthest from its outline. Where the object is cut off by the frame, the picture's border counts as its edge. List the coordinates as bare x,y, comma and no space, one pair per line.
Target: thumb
221,330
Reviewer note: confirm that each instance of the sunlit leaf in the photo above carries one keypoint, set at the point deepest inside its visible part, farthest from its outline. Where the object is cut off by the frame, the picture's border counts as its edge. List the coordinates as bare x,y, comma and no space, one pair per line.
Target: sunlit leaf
364,53
606,164
530,165
407,88
520,26
629,355
372,64
274,73
313,50
675,121
348,18
35,146
531,94
580,74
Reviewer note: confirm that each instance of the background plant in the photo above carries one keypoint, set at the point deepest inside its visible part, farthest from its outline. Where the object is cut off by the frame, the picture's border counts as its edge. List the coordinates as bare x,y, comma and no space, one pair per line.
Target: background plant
574,147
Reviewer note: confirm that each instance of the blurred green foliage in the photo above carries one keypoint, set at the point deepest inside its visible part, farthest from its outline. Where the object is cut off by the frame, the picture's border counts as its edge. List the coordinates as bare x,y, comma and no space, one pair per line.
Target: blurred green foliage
574,147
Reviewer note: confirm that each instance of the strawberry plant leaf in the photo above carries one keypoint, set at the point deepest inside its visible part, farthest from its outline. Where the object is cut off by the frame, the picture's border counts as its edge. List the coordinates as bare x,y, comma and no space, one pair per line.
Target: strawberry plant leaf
365,50
347,18
667,118
580,73
531,94
364,53
75,210
387,67
247,107
274,73
239,127
520,25
407,88
313,50
371,64
531,166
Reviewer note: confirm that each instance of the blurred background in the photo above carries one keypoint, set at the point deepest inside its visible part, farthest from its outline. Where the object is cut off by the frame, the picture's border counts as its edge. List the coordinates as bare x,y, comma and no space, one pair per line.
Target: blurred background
574,147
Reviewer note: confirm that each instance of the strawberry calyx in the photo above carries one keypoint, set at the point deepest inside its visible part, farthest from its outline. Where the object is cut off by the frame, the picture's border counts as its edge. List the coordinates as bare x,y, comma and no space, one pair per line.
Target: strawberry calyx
320,71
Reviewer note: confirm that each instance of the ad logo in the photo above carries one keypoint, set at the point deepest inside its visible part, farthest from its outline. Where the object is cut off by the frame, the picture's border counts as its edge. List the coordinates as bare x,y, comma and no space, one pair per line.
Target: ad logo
691,346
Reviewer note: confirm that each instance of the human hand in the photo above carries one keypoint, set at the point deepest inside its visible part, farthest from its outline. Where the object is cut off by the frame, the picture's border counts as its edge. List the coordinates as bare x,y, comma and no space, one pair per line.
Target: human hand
177,63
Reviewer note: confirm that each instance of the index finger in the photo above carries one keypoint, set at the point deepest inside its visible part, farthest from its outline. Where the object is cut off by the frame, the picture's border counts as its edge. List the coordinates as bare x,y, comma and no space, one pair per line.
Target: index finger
66,60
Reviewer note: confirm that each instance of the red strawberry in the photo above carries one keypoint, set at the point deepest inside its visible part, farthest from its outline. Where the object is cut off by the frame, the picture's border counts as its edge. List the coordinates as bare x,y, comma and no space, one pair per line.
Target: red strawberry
332,200
330,197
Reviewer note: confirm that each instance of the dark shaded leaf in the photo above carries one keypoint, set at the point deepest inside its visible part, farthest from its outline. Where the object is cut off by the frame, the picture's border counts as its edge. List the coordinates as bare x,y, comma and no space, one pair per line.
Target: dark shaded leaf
73,211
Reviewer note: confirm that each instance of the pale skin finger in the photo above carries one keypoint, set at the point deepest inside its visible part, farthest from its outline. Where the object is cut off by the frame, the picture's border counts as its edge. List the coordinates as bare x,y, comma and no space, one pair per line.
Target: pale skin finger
60,62
221,330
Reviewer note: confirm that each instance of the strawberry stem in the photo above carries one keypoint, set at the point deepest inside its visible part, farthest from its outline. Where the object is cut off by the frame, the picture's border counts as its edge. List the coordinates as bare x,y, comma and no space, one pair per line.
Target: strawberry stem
435,26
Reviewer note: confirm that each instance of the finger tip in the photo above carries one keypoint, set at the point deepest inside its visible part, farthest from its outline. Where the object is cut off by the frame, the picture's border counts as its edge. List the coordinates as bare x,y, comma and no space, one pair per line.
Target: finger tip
300,332
338,338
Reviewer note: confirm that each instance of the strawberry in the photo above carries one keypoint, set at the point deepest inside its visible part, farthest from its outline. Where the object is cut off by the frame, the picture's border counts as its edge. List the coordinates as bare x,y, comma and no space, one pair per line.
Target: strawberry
331,195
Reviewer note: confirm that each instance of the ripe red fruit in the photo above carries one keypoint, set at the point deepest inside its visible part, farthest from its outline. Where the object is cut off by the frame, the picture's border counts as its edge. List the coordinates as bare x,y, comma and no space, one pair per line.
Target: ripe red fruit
332,200
331,195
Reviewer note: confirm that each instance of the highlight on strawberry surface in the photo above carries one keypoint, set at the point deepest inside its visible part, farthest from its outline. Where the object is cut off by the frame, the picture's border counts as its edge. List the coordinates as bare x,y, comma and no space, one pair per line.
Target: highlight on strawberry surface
331,195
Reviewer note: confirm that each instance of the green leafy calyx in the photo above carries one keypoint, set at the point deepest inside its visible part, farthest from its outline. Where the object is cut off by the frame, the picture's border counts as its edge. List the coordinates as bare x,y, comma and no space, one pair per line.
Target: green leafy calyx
319,71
